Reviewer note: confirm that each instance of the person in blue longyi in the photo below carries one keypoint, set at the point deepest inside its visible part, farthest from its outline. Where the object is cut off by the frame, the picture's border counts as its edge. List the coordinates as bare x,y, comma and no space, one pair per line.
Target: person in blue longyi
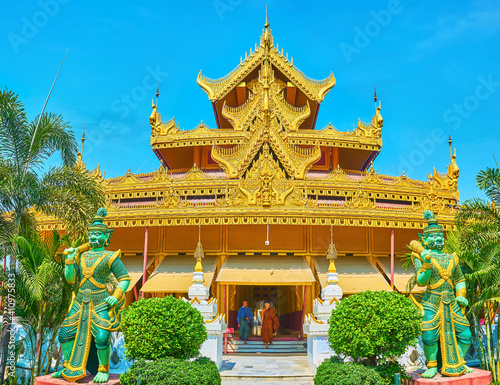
244,318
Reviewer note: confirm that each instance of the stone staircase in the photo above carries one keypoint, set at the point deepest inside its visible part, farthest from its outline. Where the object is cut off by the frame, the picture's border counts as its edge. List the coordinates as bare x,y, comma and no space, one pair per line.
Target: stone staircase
258,347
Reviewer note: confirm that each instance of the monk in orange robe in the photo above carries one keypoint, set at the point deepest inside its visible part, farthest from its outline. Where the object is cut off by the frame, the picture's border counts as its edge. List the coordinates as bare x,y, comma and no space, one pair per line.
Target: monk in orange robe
270,324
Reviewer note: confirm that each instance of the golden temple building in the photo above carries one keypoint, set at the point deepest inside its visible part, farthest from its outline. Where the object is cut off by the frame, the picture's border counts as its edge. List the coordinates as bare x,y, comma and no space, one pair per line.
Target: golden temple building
261,192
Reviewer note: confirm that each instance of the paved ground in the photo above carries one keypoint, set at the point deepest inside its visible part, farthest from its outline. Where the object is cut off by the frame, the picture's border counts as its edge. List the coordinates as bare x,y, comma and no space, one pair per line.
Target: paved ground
261,369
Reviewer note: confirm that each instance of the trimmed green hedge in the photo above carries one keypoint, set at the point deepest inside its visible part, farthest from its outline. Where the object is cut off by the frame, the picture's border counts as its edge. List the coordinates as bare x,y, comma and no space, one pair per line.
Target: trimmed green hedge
162,327
374,326
330,372
172,371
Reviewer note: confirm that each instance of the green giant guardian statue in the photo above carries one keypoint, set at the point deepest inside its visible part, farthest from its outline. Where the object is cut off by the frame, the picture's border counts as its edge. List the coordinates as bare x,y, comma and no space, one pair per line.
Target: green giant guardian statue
443,304
93,312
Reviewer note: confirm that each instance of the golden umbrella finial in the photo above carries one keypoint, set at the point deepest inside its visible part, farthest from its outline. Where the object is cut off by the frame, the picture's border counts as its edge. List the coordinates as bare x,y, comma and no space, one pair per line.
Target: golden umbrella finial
198,253
331,253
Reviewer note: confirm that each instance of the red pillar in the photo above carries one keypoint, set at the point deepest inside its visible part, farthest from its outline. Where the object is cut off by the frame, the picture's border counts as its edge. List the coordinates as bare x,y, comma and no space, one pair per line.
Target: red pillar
392,259
145,265
224,289
135,294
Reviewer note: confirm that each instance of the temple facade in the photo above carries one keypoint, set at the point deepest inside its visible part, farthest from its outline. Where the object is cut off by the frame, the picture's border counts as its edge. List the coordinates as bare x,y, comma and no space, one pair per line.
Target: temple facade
265,193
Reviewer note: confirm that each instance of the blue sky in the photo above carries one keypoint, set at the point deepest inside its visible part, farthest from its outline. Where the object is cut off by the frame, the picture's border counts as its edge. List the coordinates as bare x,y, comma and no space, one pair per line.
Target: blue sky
435,64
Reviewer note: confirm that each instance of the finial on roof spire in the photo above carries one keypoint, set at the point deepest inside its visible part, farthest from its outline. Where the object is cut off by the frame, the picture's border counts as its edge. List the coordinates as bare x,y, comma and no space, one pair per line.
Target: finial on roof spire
83,137
266,40
449,140
375,94
157,93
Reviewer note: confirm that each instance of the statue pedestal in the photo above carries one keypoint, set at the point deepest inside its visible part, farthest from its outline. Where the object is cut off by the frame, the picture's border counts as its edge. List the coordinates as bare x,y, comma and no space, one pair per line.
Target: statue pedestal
114,379
479,377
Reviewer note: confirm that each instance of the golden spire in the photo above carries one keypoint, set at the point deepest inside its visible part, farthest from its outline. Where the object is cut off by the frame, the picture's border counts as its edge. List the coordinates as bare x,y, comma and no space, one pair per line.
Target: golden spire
157,93
155,118
79,154
266,39
449,140
198,253
83,138
331,253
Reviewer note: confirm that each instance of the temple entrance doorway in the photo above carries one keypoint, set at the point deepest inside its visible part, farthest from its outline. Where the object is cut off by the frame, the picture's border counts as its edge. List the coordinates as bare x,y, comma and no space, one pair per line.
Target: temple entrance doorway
288,302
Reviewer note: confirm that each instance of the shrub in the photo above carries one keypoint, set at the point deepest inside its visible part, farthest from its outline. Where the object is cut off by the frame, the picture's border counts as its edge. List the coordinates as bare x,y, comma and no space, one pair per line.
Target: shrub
374,326
172,371
334,373
162,327
388,369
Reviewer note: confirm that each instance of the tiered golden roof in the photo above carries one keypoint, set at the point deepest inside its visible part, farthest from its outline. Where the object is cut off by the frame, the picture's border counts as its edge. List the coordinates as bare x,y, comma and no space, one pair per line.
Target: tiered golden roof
266,163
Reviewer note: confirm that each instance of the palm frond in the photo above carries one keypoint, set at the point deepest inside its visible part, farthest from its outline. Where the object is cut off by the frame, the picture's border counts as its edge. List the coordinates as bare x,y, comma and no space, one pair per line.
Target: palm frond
72,195
14,141
488,180
53,135
476,209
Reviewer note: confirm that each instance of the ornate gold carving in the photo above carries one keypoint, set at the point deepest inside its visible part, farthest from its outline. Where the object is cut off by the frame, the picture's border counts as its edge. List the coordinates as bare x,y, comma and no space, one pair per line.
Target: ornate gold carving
266,156
373,177
216,89
433,202
266,183
155,119
268,118
373,130
160,175
360,200
379,219
159,128
240,116
129,178
195,174
171,198
448,181
232,297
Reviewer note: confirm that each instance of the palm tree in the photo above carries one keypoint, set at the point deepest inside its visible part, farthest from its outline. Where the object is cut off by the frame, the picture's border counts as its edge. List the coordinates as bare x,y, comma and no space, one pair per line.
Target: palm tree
67,192
42,294
477,243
